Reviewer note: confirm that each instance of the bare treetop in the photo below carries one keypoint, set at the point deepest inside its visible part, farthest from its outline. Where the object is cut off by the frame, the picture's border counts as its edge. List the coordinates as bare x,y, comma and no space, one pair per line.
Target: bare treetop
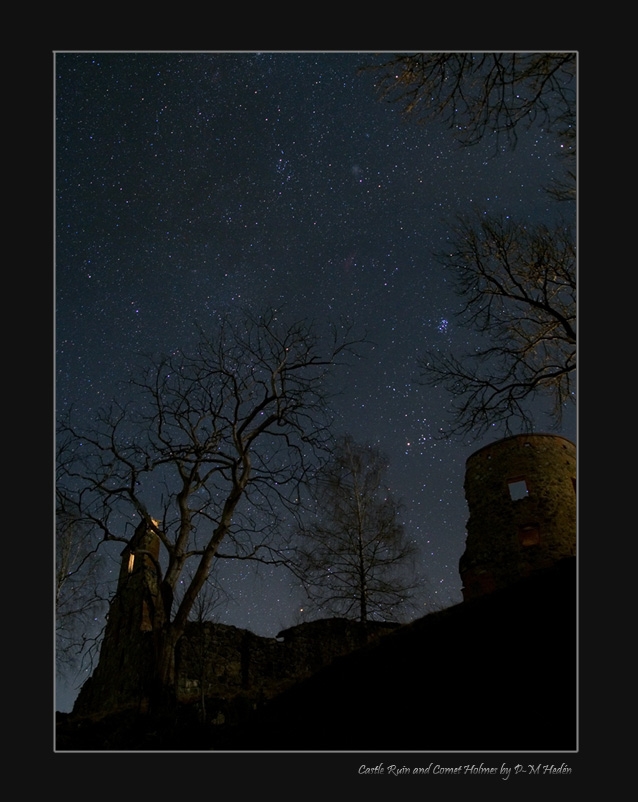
482,93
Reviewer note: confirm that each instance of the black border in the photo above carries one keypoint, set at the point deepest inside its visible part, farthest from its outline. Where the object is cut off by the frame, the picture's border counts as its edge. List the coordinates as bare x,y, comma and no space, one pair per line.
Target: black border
289,774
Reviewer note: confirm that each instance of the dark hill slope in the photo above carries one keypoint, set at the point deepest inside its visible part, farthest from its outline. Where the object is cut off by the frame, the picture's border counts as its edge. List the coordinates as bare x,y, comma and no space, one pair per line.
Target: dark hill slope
494,674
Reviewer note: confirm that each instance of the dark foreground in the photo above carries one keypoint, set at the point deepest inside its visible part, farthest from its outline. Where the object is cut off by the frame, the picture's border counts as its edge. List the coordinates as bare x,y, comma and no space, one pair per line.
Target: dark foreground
494,674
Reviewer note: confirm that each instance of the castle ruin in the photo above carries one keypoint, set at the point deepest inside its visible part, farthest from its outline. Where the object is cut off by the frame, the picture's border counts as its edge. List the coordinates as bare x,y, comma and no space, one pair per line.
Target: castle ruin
521,494
231,668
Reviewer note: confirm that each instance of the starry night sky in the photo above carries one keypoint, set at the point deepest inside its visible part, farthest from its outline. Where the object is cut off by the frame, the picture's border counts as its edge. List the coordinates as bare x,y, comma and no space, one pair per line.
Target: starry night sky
189,184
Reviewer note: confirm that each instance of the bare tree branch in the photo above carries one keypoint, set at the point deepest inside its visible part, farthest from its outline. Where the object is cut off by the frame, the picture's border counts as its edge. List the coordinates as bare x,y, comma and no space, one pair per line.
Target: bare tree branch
518,285
483,93
81,590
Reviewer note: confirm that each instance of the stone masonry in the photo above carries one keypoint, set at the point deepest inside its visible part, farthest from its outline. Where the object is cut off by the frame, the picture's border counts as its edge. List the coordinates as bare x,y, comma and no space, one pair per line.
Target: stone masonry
521,494
221,662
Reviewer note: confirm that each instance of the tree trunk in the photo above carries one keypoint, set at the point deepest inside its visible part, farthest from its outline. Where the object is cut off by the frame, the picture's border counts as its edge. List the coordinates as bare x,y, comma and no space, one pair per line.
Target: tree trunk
162,686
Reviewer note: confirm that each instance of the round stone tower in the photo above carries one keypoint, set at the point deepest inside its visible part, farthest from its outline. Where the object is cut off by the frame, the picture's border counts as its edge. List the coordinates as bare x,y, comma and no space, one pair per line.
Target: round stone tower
521,494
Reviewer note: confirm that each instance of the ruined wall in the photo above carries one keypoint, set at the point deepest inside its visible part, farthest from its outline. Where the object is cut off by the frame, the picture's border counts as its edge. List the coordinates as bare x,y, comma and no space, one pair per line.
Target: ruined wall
232,669
521,494
225,662
211,660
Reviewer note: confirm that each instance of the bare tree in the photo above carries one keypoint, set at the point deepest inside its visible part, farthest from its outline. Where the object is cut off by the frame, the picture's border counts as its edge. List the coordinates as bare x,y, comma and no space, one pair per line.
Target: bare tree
518,285
478,94
516,281
195,650
81,590
211,445
354,559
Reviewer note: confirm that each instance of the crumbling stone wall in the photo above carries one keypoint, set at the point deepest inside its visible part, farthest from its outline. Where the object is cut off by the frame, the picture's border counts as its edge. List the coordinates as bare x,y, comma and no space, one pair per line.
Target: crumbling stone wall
521,494
212,660
218,660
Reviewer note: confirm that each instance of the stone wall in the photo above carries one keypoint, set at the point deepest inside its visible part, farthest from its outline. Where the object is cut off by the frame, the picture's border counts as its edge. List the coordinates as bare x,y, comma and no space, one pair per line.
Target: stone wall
211,660
229,670
521,494
224,662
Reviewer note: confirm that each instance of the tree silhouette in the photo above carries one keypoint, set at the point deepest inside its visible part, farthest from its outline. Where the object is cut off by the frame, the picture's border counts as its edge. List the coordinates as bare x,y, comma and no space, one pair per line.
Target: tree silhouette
196,650
479,94
211,445
354,559
518,285
516,281
81,586
77,599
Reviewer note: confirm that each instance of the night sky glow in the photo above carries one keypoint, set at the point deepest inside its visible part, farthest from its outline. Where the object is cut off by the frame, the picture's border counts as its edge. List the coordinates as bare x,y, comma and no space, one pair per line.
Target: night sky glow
190,184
